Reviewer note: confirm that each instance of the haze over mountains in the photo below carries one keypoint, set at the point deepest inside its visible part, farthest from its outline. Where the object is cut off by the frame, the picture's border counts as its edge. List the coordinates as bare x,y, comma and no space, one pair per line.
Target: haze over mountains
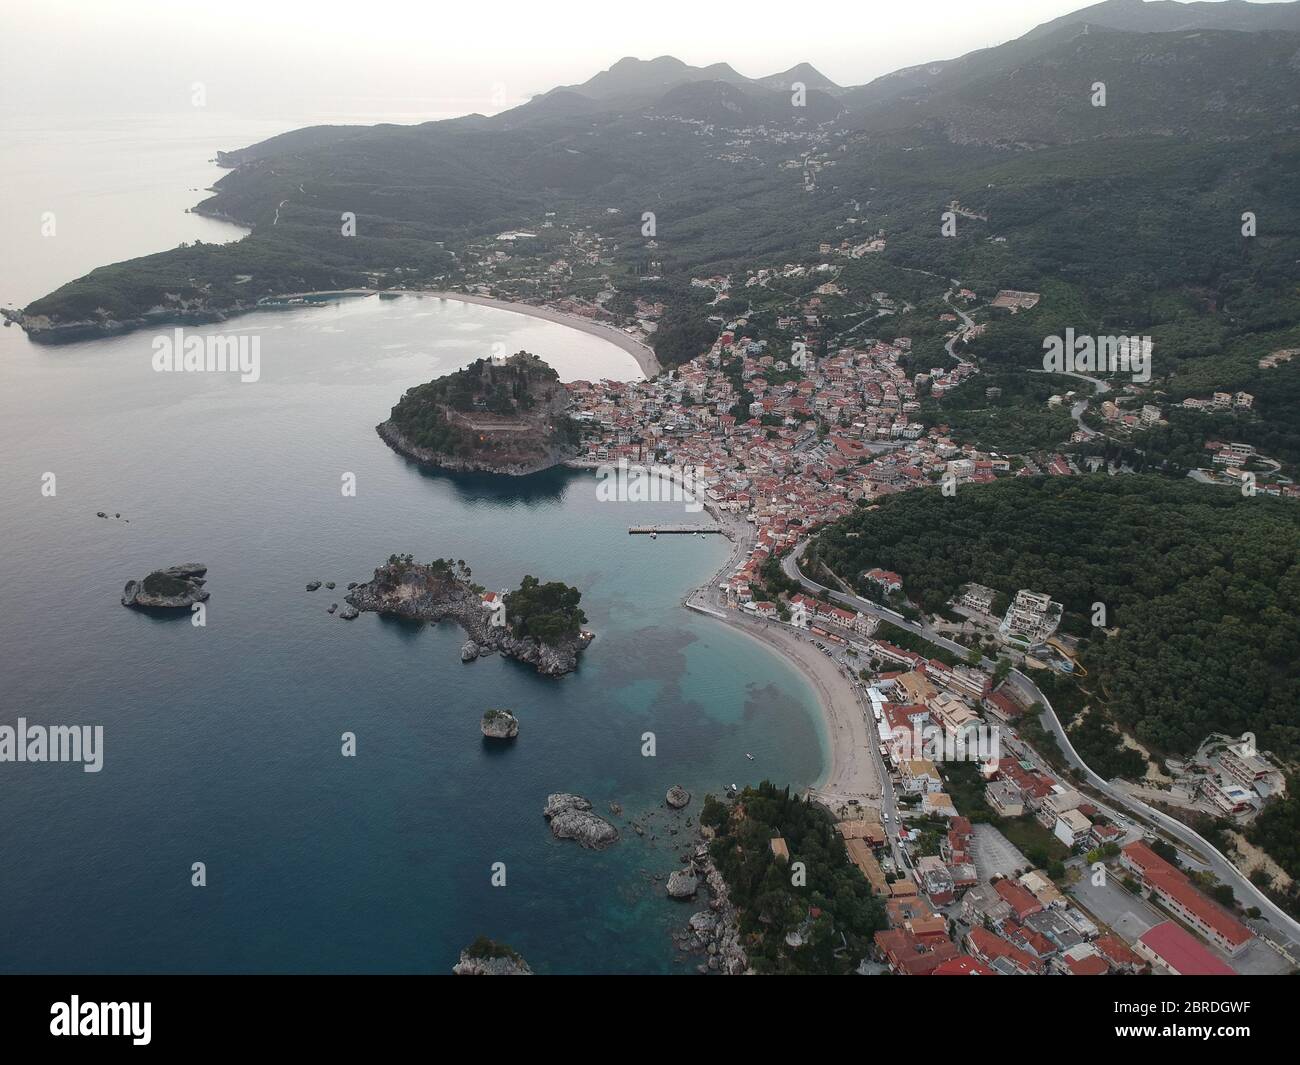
1134,208
634,84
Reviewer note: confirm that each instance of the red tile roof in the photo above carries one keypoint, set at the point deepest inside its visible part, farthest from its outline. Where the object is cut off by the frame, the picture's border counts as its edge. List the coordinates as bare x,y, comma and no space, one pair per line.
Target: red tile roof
908,955
1182,952
1005,705
988,947
1092,965
1160,874
1018,898
963,965
1116,950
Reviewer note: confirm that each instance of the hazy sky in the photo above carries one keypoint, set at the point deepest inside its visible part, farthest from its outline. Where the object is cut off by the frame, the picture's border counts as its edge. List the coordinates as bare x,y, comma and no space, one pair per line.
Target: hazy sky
262,58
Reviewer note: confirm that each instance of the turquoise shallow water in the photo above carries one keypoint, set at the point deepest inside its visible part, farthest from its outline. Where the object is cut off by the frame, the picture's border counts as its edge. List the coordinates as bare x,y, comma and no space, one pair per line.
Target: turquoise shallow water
222,743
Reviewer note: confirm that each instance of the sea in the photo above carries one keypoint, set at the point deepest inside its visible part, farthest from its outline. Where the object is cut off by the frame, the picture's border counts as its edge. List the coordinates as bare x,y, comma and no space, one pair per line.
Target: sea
223,743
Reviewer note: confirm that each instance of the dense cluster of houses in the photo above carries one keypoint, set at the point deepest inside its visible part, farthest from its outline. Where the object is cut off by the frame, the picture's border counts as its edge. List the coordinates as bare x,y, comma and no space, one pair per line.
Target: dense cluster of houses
803,452
814,438
944,921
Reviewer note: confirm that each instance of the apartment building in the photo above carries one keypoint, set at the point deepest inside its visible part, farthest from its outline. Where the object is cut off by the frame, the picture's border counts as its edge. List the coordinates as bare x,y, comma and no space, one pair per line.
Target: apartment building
1178,895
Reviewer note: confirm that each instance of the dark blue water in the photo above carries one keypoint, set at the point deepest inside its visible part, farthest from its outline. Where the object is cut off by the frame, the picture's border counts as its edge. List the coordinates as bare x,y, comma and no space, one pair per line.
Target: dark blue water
222,743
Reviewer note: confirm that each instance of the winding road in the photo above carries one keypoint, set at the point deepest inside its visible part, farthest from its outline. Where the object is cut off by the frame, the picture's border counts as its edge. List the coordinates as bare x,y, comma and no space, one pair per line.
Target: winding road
1280,922
1081,405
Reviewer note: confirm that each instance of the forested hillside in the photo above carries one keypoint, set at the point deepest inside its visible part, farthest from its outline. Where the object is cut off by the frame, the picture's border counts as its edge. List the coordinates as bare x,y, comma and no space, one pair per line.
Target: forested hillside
1200,584
1127,218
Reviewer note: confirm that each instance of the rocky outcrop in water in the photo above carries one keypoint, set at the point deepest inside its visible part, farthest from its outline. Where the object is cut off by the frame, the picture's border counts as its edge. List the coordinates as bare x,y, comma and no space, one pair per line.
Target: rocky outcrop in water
682,884
677,797
175,588
571,818
507,415
499,725
441,590
486,957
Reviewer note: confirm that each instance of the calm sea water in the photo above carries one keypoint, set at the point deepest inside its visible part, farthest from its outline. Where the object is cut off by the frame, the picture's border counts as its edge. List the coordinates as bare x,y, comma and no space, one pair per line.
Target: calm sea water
222,743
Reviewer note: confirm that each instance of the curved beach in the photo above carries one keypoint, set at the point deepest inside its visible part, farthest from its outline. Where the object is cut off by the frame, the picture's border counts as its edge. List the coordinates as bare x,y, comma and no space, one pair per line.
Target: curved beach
642,353
850,772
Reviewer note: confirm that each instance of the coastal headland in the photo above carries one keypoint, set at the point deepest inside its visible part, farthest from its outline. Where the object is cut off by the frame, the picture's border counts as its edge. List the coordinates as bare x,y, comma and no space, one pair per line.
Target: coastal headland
499,415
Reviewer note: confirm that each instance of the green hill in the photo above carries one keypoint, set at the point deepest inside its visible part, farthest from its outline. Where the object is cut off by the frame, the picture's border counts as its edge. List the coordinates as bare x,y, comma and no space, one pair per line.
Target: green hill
1200,583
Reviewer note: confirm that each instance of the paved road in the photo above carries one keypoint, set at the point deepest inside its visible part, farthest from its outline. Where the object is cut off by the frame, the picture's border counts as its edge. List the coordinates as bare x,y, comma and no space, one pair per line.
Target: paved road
790,564
1280,922
967,321
1076,411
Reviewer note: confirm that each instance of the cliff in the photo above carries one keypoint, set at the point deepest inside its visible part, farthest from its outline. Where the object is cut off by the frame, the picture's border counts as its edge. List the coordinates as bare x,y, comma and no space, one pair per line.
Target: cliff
495,416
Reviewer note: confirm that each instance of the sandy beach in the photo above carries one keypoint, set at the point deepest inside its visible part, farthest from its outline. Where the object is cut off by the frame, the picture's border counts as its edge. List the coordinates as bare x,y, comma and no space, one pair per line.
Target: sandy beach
642,353
851,772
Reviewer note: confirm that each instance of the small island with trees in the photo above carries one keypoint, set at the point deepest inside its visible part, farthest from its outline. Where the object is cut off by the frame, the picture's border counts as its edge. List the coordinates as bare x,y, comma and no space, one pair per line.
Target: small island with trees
541,624
507,415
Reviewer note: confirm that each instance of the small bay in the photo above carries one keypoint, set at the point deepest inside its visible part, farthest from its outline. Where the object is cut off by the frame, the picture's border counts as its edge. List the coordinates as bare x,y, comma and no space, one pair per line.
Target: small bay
222,743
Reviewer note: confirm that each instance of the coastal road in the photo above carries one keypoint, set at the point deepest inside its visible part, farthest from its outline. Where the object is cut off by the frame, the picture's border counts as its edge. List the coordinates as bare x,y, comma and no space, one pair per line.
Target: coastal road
1280,922
790,566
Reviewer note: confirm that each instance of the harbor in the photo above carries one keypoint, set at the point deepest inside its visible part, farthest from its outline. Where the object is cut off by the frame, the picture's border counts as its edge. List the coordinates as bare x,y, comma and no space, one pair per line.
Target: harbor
669,530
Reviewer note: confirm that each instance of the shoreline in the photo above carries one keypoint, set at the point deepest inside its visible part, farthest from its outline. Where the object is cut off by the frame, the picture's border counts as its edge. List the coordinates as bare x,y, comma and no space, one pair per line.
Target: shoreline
75,332
643,354
849,771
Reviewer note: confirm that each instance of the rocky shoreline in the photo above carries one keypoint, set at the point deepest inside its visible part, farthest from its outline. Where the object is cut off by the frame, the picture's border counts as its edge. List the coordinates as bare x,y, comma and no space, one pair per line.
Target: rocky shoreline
486,957
426,457
41,329
424,593
713,933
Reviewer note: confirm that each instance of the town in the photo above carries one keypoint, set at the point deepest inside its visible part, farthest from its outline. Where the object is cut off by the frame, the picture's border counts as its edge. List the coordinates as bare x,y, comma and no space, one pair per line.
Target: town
992,864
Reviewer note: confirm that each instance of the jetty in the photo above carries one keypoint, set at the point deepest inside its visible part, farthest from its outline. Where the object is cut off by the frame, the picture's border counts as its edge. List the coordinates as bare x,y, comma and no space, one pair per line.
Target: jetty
665,530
